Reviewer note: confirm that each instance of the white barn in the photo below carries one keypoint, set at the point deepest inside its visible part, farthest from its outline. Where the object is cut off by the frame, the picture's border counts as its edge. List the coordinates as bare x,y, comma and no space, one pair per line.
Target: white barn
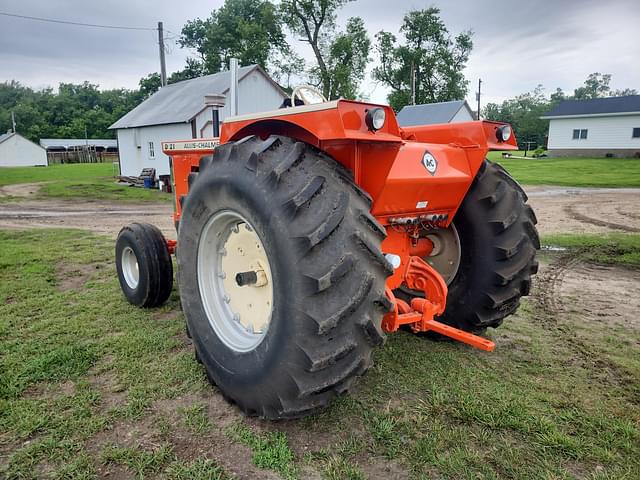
17,151
597,128
178,112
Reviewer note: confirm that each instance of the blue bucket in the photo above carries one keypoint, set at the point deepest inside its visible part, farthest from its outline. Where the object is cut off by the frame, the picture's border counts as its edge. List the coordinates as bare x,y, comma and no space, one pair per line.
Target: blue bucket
148,183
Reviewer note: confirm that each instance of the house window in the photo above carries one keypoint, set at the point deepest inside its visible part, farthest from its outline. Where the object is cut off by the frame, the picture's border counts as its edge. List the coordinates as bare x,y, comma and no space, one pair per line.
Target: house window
636,133
152,152
579,134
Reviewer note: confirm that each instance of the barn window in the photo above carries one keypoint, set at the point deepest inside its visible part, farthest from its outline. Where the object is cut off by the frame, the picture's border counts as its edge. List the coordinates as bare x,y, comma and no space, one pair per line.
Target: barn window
576,134
636,133
583,134
152,151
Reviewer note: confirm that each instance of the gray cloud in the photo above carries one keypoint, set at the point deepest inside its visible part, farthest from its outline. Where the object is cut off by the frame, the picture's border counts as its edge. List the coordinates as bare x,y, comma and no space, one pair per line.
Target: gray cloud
517,44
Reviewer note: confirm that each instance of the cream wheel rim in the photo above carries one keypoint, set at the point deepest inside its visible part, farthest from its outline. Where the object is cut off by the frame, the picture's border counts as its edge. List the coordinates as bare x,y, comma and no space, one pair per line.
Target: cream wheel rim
234,278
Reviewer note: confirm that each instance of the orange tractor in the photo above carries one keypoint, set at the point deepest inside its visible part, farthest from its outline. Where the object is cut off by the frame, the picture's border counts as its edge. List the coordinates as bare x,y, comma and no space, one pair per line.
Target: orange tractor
307,233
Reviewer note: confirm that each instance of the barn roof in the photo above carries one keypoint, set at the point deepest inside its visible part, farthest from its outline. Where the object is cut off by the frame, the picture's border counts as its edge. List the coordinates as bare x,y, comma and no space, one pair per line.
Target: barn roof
6,136
595,106
430,113
180,102
77,142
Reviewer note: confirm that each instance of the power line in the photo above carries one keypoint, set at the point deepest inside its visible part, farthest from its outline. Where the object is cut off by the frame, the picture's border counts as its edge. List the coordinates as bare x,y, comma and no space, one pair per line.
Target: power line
79,24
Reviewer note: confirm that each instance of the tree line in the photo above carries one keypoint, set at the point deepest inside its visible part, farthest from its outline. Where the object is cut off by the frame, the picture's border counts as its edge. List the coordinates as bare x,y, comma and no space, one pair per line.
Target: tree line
422,61
523,111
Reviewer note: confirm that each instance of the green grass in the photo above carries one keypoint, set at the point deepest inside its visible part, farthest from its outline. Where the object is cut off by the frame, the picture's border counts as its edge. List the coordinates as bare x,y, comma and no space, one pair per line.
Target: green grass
90,181
90,384
576,172
66,172
610,248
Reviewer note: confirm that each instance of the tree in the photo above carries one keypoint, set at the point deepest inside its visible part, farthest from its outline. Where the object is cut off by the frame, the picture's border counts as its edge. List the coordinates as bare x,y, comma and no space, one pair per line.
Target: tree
250,30
523,113
429,54
341,57
596,85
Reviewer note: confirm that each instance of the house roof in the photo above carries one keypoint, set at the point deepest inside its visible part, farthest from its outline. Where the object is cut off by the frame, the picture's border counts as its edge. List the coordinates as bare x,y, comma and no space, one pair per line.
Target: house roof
596,107
430,113
180,102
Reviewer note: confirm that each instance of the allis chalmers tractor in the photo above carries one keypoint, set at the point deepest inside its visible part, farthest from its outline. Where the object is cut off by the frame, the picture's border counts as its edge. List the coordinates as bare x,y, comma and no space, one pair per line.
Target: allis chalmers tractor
309,232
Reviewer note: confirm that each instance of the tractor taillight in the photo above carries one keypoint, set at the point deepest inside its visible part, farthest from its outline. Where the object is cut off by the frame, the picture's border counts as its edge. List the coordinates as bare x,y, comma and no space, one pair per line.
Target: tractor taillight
503,133
375,119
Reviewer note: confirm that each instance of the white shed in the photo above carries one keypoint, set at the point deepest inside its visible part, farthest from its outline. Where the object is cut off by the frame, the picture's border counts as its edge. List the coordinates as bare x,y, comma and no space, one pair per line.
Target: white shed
178,112
598,127
17,151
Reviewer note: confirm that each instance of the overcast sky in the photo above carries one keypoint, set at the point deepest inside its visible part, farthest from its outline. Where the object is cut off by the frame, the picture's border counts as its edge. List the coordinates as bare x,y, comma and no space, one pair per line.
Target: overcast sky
517,44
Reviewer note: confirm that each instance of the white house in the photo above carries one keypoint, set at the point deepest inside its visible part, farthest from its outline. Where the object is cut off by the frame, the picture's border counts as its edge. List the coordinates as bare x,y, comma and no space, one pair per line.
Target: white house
17,151
178,112
432,113
598,127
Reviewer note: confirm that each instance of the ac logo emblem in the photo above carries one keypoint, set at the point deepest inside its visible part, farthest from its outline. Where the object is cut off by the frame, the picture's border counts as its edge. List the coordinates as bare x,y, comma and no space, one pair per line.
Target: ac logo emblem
430,163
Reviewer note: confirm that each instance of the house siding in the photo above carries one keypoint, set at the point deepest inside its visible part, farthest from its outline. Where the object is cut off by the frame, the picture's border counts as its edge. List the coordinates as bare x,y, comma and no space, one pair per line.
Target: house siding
133,144
255,94
609,134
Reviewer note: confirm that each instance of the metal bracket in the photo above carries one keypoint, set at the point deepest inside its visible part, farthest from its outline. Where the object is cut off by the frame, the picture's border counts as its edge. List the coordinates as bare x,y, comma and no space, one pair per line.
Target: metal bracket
419,275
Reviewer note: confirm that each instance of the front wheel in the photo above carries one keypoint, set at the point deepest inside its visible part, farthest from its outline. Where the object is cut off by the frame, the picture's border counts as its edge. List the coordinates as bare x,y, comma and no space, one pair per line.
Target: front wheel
144,266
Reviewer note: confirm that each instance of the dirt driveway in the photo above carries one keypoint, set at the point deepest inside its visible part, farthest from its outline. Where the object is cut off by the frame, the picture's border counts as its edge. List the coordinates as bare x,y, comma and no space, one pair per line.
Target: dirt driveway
559,210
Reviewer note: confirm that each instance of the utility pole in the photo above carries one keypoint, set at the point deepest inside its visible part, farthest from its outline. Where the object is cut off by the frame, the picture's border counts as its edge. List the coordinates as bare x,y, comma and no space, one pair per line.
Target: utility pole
478,96
163,66
13,121
413,83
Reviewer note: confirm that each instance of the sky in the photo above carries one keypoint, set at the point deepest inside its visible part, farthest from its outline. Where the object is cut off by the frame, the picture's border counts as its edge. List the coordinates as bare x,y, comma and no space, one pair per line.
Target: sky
518,44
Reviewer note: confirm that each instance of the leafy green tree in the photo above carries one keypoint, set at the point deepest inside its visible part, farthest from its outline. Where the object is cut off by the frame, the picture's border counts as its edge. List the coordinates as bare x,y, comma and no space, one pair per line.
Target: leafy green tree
250,30
429,54
341,56
523,113
596,85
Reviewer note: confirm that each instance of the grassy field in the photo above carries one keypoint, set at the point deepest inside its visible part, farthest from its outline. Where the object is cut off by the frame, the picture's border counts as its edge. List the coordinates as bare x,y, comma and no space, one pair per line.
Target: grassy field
610,248
90,385
94,181
576,172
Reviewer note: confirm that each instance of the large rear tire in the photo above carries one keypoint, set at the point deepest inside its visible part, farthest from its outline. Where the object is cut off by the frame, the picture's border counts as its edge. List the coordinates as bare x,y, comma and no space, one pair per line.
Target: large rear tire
322,267
498,242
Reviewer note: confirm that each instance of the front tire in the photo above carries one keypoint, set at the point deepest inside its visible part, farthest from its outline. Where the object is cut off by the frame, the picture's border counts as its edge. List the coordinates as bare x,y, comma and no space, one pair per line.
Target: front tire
144,266
326,275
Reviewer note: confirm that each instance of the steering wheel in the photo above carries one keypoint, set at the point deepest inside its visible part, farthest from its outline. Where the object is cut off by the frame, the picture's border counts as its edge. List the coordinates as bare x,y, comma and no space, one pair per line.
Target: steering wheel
313,95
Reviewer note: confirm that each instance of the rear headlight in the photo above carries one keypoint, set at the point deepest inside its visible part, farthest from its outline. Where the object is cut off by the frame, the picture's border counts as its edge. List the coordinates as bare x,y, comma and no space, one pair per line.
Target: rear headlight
375,119
503,133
